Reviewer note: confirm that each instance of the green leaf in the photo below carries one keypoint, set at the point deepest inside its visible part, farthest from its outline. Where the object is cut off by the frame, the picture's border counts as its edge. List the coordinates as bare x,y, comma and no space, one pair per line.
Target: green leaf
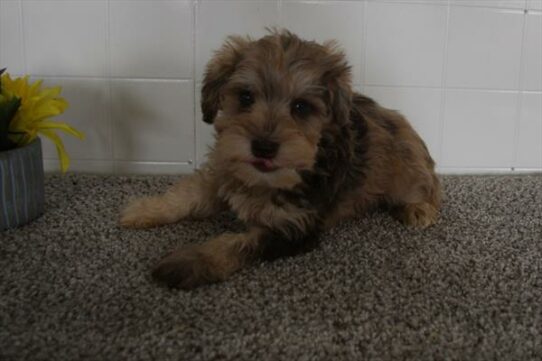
7,112
1,72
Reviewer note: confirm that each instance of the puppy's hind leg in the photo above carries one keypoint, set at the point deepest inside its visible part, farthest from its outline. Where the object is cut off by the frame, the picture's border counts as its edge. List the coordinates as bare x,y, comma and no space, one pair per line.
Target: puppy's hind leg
420,215
420,212
192,196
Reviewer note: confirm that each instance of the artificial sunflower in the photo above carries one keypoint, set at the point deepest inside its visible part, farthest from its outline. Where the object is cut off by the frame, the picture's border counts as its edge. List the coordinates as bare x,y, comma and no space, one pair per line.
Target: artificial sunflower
34,106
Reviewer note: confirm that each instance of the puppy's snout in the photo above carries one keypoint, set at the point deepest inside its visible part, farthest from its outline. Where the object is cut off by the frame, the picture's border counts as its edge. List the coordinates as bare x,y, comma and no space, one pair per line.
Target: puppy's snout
263,148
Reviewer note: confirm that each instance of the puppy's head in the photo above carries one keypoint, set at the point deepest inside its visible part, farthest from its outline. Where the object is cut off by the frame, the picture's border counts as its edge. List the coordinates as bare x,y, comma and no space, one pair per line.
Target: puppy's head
270,100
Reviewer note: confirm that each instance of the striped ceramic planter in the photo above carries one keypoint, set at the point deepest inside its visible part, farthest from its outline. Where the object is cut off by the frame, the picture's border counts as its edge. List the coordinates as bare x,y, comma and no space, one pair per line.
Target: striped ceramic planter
21,185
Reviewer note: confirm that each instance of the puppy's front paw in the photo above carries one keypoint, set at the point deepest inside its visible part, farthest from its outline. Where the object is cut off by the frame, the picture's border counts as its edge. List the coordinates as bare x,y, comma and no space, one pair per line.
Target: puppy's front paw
185,269
144,212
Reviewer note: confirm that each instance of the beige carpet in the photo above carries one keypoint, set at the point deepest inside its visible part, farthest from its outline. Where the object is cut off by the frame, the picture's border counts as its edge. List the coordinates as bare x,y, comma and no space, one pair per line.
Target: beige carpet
74,286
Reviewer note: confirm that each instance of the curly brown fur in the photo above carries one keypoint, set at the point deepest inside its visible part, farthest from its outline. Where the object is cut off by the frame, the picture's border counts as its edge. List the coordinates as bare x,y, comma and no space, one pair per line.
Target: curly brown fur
296,152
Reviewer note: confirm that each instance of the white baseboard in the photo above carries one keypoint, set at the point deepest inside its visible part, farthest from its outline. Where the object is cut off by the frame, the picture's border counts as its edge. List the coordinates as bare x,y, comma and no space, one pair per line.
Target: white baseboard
120,167
483,171
156,168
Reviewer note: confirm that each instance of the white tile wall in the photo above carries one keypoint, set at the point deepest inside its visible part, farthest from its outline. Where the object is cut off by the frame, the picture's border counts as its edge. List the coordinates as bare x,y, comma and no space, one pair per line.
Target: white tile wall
153,121
329,20
485,56
534,4
405,44
65,38
468,73
11,51
218,19
479,129
150,39
532,60
529,146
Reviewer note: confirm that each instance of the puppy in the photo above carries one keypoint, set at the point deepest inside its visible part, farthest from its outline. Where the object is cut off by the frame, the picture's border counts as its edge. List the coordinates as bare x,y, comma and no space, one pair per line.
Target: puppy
297,150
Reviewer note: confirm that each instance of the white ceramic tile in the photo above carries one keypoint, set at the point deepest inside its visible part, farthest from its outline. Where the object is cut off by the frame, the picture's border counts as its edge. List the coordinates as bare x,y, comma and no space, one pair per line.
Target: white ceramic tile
484,48
88,108
219,19
11,40
479,129
532,67
204,132
510,4
529,148
405,44
153,120
151,39
65,37
341,21
421,106
534,4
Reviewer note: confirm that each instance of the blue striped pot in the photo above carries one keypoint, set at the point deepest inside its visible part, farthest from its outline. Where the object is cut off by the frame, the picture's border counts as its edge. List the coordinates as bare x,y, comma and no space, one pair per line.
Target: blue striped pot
21,185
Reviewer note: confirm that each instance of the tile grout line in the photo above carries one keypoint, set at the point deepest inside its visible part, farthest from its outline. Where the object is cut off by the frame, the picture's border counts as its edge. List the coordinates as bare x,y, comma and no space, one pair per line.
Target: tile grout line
187,80
279,9
363,79
1,47
443,82
521,79
195,9
363,65
458,5
23,36
118,160
1,6
105,77
108,67
488,90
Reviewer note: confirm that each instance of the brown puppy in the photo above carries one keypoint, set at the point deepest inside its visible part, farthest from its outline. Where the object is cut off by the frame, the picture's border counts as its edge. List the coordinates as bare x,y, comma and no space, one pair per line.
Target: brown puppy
296,151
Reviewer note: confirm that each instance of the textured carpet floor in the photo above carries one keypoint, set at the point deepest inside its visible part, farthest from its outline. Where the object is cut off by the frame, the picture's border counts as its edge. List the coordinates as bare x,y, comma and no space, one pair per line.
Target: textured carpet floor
75,286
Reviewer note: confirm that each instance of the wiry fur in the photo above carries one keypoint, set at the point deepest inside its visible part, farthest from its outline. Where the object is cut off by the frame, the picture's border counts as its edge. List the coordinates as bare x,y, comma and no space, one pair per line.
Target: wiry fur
345,157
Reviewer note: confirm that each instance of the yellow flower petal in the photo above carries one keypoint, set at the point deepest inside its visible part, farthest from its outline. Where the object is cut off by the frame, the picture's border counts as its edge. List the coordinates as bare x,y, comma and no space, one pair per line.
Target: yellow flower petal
60,126
62,155
42,111
35,88
38,105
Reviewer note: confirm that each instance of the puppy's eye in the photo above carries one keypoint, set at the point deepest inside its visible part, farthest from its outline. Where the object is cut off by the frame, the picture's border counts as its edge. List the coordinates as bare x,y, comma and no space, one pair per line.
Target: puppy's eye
301,108
246,99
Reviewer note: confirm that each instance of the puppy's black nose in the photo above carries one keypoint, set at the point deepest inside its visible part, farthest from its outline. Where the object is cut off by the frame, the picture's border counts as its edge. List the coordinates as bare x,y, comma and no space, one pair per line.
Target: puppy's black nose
263,148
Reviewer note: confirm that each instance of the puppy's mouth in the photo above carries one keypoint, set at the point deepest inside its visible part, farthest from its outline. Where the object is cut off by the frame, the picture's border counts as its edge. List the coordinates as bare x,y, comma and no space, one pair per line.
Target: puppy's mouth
263,165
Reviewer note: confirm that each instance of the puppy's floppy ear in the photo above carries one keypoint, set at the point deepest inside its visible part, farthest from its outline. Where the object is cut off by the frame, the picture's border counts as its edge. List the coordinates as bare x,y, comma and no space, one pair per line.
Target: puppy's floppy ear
218,71
337,78
341,101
